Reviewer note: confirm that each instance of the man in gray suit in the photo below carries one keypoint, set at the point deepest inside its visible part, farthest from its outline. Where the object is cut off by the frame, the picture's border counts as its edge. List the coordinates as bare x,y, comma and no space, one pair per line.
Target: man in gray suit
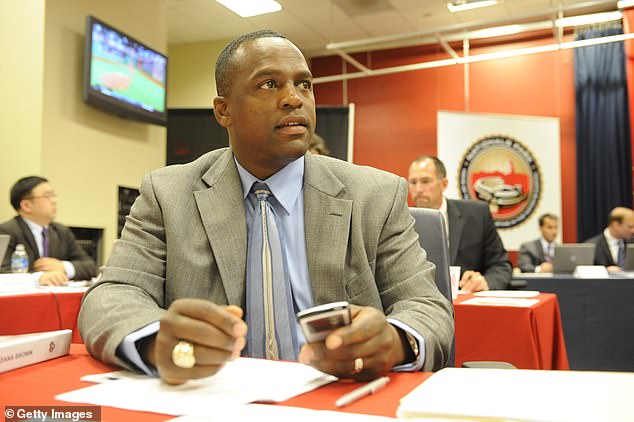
537,256
474,243
348,232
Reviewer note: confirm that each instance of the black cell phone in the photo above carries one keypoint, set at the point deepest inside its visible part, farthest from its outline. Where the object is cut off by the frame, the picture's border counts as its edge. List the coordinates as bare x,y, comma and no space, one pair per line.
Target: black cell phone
319,321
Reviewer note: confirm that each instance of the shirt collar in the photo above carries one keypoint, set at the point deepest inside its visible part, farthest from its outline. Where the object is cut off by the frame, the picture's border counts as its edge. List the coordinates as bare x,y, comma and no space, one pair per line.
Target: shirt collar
443,206
611,239
33,226
285,185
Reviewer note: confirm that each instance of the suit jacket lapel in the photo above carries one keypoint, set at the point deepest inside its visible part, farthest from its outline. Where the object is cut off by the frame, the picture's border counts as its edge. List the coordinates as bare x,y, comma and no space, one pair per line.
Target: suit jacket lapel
54,243
221,207
326,227
606,250
456,224
540,250
28,237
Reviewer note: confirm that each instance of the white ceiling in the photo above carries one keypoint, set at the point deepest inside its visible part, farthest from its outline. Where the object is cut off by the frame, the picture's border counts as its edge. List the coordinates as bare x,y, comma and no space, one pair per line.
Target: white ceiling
311,24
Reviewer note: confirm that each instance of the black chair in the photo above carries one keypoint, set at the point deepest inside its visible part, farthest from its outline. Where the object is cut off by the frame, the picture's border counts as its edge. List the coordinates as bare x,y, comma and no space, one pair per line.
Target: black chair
432,235
430,226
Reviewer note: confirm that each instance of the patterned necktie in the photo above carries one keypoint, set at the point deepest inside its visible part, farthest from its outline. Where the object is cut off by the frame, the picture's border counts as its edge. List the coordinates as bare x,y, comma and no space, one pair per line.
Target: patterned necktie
44,242
621,254
270,316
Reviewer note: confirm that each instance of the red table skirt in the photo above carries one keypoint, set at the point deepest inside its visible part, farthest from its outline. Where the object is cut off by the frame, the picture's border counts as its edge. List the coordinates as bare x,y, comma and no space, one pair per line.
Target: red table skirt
38,312
528,337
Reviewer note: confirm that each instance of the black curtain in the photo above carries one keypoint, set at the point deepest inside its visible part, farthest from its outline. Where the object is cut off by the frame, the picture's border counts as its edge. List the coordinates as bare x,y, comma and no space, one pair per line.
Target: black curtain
604,159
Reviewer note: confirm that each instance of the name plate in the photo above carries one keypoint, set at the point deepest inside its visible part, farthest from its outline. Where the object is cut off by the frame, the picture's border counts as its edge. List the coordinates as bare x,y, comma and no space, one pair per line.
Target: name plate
591,271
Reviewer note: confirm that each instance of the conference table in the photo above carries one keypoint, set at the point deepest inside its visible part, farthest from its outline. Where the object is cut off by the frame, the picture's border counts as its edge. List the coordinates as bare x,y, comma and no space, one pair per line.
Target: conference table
597,318
529,337
37,385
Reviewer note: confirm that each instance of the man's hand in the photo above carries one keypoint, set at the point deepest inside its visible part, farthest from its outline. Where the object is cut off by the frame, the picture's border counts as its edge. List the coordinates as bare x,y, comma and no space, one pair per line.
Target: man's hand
53,278
48,264
369,337
546,267
473,281
217,333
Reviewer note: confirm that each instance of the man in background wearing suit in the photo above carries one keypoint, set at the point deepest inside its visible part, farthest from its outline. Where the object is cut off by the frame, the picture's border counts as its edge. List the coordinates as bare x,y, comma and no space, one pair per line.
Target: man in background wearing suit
610,244
474,243
53,251
172,296
537,256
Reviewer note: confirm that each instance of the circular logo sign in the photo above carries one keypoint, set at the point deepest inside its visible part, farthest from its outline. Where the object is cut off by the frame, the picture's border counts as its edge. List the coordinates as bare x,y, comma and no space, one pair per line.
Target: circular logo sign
502,172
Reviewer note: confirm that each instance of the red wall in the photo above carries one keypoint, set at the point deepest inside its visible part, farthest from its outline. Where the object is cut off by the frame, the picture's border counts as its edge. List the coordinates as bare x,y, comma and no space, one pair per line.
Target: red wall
396,114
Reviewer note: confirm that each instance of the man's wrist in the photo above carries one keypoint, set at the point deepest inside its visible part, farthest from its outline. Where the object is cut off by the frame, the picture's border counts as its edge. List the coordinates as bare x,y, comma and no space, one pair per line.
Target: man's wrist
409,347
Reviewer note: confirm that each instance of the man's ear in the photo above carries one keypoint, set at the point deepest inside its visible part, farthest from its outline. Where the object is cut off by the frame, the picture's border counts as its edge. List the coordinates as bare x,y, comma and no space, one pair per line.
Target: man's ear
221,111
444,183
25,206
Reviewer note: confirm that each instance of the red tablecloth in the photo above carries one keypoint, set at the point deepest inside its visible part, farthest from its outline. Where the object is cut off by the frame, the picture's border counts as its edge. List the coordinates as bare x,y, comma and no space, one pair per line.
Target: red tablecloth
528,337
41,311
37,385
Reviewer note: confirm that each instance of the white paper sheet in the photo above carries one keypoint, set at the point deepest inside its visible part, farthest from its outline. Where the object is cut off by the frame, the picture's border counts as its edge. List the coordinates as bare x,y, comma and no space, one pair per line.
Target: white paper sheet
523,395
265,412
501,301
507,293
239,382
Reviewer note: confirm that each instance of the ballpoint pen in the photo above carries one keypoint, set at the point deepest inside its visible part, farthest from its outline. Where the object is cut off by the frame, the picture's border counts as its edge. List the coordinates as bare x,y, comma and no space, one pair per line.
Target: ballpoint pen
362,391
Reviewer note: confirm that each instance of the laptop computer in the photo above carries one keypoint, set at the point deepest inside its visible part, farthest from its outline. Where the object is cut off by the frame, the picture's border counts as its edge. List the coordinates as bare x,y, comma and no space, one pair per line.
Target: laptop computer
4,244
569,255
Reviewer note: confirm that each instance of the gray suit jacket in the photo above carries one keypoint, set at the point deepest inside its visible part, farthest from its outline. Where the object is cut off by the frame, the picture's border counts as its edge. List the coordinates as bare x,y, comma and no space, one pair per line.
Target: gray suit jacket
531,255
62,245
186,236
474,243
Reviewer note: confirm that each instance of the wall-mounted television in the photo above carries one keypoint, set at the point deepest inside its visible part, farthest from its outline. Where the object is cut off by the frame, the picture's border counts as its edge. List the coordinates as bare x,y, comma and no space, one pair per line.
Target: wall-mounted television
122,75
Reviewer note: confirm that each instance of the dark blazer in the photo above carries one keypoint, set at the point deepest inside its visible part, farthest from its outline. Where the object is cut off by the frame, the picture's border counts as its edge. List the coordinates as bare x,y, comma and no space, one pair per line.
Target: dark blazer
62,245
531,255
602,255
474,243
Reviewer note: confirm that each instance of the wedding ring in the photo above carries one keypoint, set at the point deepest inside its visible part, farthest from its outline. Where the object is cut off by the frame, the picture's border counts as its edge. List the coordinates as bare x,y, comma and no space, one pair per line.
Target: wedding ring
183,355
358,365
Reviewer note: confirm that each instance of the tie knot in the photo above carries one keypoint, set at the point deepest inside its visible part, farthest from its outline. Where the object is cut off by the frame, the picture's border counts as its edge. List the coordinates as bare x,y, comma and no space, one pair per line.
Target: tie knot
261,191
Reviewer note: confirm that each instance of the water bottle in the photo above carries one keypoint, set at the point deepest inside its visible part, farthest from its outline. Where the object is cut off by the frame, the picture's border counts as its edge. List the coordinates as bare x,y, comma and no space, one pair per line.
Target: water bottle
19,260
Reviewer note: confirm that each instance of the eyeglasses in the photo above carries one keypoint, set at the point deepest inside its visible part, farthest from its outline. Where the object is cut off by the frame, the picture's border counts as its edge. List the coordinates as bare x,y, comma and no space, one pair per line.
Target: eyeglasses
47,195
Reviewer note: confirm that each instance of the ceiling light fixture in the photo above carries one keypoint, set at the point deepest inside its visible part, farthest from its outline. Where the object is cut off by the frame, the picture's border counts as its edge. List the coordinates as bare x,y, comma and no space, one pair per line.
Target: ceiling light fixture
623,4
461,5
589,19
497,31
248,8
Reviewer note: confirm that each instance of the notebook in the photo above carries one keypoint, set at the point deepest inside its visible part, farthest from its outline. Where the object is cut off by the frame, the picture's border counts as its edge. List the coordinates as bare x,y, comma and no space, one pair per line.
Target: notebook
569,255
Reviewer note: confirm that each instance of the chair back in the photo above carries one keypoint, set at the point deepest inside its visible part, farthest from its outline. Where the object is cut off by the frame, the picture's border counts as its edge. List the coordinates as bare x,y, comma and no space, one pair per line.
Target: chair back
430,226
432,235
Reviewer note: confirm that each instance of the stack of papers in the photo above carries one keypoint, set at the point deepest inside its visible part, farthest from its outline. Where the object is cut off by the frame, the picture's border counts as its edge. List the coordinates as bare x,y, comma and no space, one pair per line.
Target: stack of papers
501,301
522,395
240,382
507,293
